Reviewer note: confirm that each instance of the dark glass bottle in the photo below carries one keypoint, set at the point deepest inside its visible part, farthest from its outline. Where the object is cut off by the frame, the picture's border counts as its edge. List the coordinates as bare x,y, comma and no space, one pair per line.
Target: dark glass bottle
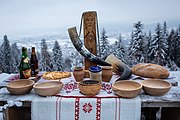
34,63
24,67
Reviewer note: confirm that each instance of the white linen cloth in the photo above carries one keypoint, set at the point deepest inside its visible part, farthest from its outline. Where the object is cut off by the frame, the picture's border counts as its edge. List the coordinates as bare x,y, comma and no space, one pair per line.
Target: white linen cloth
5,76
71,104
43,108
59,108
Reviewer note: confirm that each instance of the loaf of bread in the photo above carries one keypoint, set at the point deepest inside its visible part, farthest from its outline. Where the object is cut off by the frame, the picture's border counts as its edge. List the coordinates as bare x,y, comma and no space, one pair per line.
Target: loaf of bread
150,70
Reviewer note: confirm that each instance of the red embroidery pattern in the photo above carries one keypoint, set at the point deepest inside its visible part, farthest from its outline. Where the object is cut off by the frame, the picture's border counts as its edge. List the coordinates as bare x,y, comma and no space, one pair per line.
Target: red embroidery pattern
87,107
98,109
77,108
70,86
107,87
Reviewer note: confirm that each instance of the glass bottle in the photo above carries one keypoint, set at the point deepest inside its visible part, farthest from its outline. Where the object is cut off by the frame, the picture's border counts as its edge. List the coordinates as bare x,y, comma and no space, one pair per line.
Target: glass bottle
34,63
24,67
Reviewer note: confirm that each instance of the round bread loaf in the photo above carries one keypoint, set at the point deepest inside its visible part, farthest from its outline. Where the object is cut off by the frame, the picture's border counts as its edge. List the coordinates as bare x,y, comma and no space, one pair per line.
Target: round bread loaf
150,70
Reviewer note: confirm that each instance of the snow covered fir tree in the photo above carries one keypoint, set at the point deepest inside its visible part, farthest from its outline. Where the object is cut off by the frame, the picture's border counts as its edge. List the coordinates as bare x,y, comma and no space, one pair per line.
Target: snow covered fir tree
136,52
7,61
57,57
104,44
15,56
118,49
160,46
46,60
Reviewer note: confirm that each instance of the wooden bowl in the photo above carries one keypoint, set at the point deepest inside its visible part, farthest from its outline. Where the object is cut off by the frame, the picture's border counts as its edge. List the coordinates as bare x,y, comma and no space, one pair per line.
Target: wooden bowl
156,87
89,87
127,88
20,87
48,88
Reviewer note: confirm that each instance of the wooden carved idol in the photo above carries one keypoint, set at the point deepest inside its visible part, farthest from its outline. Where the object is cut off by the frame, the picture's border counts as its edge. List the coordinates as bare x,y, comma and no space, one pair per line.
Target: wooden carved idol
89,24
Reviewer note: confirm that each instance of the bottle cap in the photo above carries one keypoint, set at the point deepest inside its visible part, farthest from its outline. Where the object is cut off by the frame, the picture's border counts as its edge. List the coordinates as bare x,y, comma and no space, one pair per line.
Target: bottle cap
24,48
95,69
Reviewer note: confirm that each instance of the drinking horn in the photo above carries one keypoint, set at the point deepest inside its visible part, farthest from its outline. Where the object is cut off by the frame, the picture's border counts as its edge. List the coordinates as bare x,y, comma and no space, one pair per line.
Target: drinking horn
120,68
82,49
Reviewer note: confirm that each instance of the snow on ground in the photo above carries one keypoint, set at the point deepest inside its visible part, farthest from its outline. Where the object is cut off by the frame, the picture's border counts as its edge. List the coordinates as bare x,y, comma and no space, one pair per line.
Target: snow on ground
176,74
1,116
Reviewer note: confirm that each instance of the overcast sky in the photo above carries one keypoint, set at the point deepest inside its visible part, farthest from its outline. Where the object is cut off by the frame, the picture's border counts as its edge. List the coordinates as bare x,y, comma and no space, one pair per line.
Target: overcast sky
21,16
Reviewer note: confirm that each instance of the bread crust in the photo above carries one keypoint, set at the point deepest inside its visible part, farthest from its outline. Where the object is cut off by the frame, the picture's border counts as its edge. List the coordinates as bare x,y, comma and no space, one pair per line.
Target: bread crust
56,75
150,70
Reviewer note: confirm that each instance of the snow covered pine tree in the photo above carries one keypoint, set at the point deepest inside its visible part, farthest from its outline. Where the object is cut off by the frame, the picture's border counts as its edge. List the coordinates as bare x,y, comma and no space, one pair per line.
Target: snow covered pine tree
57,57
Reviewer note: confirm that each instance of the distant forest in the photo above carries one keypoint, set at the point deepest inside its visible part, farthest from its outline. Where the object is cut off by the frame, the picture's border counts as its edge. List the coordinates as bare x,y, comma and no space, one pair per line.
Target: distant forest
161,46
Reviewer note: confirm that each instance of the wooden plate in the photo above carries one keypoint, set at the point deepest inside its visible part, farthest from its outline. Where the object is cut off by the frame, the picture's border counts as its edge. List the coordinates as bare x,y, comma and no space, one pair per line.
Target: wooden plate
127,88
48,88
156,87
89,87
20,87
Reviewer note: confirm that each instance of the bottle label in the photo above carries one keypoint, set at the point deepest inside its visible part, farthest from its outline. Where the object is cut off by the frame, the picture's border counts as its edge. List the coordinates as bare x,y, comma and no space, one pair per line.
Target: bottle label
34,72
27,73
26,60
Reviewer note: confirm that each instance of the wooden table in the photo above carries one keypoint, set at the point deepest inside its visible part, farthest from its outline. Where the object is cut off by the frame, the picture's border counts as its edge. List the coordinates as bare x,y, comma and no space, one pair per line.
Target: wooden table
168,105
150,105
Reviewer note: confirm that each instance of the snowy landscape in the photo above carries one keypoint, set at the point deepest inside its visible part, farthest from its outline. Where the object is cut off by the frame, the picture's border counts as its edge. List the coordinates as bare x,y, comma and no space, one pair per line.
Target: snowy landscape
63,40
160,46
135,32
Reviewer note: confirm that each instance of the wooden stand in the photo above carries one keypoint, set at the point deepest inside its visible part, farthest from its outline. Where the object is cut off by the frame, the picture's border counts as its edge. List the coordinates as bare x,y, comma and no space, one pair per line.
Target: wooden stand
17,113
89,24
170,113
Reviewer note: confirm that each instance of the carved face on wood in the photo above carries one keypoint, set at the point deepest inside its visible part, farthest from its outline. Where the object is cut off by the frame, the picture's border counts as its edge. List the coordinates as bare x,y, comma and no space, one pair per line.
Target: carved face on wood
90,22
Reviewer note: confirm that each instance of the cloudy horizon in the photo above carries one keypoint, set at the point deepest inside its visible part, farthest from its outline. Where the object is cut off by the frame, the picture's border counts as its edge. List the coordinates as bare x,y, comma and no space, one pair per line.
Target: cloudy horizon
23,16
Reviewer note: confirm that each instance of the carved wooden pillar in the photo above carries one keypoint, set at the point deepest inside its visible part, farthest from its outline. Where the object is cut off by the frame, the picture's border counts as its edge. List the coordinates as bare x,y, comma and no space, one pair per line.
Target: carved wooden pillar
90,35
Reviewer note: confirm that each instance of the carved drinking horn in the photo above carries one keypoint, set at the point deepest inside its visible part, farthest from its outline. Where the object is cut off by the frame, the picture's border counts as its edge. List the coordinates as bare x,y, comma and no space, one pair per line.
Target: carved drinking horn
119,67
82,49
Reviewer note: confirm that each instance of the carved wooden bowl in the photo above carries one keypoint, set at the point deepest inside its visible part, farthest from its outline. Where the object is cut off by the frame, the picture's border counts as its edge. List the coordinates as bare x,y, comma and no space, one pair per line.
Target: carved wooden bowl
20,87
89,87
48,88
127,88
156,87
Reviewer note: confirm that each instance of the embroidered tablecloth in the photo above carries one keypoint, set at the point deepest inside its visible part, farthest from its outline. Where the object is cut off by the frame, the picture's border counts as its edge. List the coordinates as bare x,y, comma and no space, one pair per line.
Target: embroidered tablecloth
64,108
70,104
60,108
